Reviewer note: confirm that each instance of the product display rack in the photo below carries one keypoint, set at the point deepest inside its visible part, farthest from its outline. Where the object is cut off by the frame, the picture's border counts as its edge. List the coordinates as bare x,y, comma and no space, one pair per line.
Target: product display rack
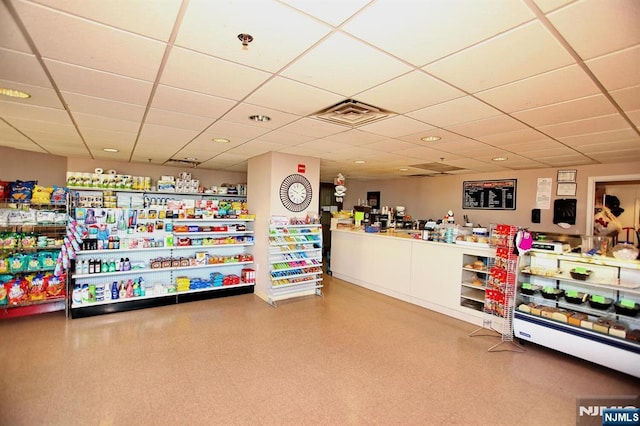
169,260
295,259
578,316
25,241
475,273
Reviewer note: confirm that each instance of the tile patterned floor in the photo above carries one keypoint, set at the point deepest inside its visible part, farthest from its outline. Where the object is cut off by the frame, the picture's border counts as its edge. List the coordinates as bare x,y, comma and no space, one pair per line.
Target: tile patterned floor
353,357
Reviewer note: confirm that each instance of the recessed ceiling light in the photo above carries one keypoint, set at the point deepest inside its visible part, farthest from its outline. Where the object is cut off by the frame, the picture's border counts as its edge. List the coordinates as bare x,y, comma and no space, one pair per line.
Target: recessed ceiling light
190,158
110,150
500,159
403,169
13,93
359,161
431,138
220,140
259,118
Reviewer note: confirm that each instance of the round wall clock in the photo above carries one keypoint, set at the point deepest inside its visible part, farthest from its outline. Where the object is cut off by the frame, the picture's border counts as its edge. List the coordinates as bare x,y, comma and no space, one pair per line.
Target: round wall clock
295,192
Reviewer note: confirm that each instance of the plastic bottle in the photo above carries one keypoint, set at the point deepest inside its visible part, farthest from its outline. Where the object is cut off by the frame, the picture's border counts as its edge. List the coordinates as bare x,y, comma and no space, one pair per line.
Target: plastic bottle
141,283
129,289
127,264
118,264
136,289
122,289
112,265
104,266
114,291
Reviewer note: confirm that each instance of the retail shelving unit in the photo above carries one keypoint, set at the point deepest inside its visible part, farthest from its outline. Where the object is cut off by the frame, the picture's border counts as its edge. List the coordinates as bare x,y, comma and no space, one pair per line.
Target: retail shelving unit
475,271
147,258
581,319
32,237
295,259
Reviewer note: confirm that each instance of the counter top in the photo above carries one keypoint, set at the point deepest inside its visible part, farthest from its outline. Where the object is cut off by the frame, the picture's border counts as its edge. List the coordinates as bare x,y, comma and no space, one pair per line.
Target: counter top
408,234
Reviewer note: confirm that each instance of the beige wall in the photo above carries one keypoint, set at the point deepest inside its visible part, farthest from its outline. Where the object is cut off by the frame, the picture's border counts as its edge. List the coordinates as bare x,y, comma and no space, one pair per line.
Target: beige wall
47,169
207,178
431,197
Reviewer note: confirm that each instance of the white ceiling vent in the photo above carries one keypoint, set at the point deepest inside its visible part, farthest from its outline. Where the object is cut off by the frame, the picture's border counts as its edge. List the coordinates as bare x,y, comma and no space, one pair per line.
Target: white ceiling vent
178,162
352,113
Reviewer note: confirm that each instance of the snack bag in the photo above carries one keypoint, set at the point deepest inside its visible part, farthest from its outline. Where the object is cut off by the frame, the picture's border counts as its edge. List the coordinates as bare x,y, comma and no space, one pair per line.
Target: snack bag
37,287
4,299
55,285
17,292
41,195
21,190
4,189
59,195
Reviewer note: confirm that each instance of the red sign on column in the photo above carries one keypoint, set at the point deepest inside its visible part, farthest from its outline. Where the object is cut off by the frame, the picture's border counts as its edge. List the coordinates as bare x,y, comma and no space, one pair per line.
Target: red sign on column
302,168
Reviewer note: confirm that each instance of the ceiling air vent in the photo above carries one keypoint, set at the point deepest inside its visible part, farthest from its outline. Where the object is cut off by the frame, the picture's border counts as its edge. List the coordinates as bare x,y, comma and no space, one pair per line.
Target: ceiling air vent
437,167
178,162
352,113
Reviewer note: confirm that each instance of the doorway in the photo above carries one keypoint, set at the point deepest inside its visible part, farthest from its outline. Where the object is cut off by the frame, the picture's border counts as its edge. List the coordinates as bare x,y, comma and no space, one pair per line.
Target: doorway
627,189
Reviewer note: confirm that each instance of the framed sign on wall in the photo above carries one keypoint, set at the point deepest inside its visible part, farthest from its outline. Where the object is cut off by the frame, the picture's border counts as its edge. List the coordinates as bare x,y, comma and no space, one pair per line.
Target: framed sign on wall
489,194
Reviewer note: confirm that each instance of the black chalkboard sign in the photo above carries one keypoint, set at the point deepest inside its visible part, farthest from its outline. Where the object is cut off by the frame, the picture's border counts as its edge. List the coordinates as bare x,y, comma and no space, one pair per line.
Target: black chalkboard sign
489,194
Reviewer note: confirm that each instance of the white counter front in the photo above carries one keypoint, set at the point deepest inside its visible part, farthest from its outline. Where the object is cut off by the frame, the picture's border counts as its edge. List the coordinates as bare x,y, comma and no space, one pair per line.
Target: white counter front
424,273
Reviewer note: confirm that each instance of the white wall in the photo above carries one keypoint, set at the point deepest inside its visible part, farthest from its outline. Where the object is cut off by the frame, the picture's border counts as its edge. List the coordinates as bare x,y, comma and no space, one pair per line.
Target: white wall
426,197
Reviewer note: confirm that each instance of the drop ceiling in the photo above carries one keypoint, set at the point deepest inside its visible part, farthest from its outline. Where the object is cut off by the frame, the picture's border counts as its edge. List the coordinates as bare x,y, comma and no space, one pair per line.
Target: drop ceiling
544,83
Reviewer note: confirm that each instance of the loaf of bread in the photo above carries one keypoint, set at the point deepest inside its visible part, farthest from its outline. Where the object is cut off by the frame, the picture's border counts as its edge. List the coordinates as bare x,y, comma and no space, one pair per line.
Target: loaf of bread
603,325
585,323
537,309
562,316
548,311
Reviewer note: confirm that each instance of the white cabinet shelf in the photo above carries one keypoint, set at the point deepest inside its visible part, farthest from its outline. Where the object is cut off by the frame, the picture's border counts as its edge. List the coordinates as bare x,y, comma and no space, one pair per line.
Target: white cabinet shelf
475,273
290,245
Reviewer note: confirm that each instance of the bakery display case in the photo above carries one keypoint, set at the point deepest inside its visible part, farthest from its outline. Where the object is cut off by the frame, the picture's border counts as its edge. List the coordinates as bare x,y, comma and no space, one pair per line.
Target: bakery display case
585,306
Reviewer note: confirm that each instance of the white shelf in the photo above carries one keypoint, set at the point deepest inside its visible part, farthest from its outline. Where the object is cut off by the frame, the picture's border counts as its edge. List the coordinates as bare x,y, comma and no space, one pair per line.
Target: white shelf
298,284
475,294
217,220
473,286
308,225
288,277
155,296
632,289
143,191
209,233
316,265
151,270
122,250
211,246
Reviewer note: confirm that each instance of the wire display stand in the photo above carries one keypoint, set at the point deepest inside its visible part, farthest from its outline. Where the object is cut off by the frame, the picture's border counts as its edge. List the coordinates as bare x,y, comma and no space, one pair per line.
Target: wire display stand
501,291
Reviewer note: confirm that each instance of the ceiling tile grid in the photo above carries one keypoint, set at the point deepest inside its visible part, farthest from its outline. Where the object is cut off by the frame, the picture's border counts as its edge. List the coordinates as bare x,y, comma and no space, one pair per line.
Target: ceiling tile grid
546,83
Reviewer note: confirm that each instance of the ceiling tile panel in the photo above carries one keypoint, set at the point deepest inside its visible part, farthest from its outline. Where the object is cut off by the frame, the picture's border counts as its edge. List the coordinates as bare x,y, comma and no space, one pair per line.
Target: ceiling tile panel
355,137
236,133
611,147
9,110
596,27
212,27
517,54
308,100
82,42
519,136
157,22
628,99
188,102
454,112
550,5
543,89
254,148
344,65
40,96
99,84
105,107
390,145
578,109
333,12
396,126
617,70
205,74
488,126
409,92
525,148
610,136
242,112
22,67
416,26
313,127
175,119
10,35
592,125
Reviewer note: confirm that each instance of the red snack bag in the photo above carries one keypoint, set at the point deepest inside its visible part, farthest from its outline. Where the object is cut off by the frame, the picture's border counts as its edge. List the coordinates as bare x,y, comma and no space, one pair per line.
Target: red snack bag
55,285
37,287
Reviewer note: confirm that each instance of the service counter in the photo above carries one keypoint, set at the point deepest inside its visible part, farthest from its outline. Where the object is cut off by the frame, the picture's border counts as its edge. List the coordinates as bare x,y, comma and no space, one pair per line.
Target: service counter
424,273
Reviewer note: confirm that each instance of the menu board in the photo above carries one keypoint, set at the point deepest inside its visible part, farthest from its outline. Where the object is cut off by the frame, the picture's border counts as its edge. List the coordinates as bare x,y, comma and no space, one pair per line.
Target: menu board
489,194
